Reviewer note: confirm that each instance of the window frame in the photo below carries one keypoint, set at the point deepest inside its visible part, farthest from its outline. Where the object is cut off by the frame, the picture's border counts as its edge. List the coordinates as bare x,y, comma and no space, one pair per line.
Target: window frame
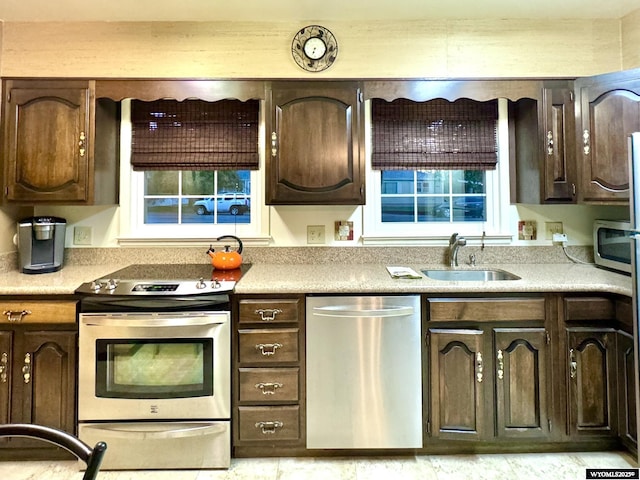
133,230
495,230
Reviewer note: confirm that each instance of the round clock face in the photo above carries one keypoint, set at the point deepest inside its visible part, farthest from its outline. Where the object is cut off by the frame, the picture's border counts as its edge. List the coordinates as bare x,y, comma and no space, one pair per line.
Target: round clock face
314,48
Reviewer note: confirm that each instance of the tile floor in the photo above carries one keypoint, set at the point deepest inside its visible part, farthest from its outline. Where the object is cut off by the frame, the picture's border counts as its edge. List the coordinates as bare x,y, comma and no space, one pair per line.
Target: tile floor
553,466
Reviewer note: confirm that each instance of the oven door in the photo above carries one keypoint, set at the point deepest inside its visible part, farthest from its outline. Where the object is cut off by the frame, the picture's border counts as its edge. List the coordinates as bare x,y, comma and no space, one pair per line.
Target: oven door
154,366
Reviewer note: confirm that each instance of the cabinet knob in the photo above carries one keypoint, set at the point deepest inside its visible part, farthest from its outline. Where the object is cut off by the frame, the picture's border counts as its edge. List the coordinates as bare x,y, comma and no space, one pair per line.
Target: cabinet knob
26,368
81,143
479,367
549,143
573,364
274,144
586,145
4,360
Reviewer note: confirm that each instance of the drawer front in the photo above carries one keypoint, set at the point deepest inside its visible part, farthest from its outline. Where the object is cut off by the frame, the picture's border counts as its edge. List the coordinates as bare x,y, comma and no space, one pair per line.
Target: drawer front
268,346
589,308
267,385
269,423
490,310
270,311
37,312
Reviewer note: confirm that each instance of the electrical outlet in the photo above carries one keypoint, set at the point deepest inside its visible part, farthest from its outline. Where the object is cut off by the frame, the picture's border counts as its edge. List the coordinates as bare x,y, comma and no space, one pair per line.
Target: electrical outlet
315,234
82,235
550,228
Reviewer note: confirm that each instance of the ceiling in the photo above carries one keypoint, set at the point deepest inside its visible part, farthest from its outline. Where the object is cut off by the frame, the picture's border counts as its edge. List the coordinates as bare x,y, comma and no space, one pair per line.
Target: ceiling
306,10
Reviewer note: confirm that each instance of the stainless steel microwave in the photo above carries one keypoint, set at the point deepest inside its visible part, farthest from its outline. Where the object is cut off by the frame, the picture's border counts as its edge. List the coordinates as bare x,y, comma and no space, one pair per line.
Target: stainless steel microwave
612,245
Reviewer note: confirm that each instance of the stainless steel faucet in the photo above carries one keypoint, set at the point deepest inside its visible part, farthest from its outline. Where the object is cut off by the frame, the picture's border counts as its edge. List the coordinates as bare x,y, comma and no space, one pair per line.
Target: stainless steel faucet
455,242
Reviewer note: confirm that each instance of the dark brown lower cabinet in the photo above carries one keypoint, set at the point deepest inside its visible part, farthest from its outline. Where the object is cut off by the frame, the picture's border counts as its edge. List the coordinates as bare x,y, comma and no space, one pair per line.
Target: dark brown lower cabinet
627,420
592,382
477,376
522,382
37,383
457,384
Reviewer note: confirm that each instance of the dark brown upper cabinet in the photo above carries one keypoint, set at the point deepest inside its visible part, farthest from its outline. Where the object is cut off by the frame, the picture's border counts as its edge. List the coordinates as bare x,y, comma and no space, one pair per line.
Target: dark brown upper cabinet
314,143
609,111
50,151
542,146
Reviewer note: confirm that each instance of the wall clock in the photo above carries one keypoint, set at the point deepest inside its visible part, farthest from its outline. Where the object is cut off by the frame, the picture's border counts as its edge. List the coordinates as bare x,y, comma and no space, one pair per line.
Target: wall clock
314,48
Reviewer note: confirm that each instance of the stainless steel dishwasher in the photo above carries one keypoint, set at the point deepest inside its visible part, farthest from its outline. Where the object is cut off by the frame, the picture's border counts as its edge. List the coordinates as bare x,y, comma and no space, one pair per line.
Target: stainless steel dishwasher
364,380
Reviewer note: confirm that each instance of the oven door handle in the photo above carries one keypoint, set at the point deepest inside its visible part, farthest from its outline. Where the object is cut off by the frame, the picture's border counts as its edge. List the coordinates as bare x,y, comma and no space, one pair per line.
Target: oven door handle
156,321
140,432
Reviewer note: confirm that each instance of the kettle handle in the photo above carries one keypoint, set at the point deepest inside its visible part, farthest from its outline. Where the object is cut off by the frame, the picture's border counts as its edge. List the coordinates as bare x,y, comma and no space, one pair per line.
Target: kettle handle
233,238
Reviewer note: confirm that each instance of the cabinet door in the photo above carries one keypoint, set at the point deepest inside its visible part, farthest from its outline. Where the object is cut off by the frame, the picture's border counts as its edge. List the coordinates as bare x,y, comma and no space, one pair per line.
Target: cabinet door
559,145
46,375
314,143
592,371
47,152
522,379
457,379
609,113
627,426
6,356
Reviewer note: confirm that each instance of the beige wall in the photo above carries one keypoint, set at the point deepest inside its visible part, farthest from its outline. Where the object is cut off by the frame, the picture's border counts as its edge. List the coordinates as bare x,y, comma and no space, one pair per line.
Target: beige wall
630,33
449,48
454,48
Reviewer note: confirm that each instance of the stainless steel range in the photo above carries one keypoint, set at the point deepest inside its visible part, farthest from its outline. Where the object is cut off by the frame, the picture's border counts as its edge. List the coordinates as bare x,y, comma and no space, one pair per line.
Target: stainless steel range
154,367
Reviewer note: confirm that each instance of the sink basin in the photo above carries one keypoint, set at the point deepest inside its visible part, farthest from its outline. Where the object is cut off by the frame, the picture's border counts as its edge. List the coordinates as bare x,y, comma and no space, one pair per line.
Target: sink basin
470,275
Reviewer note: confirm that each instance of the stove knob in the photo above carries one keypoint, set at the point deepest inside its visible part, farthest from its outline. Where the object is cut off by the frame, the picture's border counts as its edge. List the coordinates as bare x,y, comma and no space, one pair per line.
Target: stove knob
95,286
200,283
216,284
112,284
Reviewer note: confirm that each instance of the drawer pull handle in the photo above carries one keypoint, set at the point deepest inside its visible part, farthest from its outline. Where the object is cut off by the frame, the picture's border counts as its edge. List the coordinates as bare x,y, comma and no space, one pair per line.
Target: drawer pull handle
268,314
500,365
268,388
4,361
26,368
16,316
479,367
269,427
573,365
268,349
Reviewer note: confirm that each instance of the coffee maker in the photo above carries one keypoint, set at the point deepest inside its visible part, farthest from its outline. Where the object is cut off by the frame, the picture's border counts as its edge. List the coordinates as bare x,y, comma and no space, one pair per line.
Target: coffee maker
41,244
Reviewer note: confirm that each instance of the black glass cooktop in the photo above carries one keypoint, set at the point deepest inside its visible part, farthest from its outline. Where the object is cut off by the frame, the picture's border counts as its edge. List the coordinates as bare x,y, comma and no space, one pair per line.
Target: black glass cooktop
189,271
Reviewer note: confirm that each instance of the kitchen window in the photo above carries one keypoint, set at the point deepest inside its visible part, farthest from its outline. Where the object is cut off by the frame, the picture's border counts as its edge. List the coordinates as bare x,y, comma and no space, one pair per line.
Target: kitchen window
190,170
423,200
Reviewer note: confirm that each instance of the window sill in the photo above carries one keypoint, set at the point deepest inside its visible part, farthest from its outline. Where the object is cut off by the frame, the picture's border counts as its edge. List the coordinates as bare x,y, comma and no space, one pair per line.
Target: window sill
505,239
184,242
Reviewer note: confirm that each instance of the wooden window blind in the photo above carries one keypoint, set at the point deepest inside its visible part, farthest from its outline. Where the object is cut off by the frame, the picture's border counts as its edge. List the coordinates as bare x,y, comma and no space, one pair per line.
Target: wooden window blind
195,135
434,135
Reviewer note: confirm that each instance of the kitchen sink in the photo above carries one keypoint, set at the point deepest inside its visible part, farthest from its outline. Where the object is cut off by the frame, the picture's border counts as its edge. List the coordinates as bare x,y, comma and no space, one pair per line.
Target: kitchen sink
474,275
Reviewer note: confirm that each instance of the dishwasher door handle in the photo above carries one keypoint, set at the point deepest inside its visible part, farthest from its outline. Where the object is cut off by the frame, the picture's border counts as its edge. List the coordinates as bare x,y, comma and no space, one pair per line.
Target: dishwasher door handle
350,311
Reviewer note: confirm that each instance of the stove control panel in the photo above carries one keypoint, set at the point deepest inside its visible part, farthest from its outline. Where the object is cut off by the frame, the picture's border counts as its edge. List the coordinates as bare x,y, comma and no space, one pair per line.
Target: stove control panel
113,286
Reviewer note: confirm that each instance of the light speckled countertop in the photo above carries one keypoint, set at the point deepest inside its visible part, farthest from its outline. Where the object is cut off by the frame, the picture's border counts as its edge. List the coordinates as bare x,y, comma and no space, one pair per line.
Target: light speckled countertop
344,278
369,278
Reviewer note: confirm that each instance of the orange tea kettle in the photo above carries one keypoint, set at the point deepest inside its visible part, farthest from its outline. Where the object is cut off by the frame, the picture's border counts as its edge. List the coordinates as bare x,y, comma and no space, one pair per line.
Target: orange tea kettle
226,259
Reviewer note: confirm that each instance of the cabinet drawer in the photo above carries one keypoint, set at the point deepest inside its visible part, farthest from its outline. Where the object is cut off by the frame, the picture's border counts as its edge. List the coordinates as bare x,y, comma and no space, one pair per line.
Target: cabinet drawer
589,308
268,346
269,423
37,312
270,311
267,385
482,309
